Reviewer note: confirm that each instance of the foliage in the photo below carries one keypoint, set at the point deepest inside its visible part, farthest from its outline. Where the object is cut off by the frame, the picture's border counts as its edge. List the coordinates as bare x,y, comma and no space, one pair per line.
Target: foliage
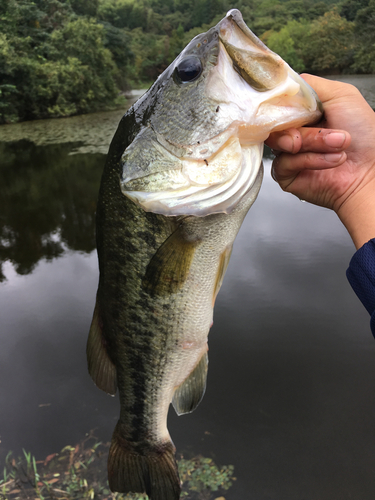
62,57
364,58
288,42
118,41
330,42
52,63
79,472
201,475
350,8
151,55
85,7
323,45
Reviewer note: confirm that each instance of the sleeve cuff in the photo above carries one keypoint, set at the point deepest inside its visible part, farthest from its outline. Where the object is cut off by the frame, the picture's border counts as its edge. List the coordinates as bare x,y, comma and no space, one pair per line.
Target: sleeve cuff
361,276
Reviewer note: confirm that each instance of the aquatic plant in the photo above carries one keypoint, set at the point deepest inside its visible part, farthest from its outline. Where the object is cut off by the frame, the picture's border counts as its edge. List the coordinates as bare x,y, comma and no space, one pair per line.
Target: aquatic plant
80,472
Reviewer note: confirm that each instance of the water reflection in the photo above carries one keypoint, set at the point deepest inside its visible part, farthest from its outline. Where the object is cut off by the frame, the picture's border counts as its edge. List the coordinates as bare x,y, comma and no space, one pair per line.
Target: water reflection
48,200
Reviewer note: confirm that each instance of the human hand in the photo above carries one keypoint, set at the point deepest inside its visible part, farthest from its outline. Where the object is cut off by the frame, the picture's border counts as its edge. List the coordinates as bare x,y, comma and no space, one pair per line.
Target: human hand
331,167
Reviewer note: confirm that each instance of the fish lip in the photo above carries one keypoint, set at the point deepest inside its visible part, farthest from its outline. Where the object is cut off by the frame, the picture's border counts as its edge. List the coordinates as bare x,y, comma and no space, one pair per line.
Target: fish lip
236,16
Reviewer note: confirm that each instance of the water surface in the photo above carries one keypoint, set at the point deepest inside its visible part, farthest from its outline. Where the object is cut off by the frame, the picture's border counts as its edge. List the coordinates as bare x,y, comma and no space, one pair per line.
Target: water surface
290,397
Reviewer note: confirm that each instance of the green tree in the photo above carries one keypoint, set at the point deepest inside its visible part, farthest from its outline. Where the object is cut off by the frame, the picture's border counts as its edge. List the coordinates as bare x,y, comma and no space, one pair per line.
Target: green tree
59,57
47,71
350,8
85,7
205,10
269,15
88,63
176,42
287,43
151,56
364,58
118,41
330,44
124,13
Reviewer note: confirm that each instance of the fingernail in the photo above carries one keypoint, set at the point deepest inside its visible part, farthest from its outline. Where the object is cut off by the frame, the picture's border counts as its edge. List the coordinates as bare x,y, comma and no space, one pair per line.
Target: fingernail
335,139
333,157
285,143
274,165
273,173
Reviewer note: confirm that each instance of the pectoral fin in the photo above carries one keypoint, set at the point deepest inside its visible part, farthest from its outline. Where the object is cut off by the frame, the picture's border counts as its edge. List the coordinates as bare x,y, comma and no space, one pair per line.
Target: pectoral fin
169,267
190,393
223,265
100,366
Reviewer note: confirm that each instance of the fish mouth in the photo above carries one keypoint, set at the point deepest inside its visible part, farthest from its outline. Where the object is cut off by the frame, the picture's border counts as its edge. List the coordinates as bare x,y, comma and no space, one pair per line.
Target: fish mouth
261,68
268,94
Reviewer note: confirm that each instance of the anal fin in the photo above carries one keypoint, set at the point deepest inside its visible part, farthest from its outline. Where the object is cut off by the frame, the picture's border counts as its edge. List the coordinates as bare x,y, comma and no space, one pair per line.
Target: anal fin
100,366
190,393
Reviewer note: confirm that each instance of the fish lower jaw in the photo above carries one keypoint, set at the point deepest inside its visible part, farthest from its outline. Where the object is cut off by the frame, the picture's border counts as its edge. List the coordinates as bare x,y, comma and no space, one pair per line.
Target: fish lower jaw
201,200
303,118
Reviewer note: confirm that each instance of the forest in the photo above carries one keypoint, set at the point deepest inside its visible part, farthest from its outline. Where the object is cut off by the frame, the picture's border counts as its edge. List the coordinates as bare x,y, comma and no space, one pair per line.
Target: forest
66,57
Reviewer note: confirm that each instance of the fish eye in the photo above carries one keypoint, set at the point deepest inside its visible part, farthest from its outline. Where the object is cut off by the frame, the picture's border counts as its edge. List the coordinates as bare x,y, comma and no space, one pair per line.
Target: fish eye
188,69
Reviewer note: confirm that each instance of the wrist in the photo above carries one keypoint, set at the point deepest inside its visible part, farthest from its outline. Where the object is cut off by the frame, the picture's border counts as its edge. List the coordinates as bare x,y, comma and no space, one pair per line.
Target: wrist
357,214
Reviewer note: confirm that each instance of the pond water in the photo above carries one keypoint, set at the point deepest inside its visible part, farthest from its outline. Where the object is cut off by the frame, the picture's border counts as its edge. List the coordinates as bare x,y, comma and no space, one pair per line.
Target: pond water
290,400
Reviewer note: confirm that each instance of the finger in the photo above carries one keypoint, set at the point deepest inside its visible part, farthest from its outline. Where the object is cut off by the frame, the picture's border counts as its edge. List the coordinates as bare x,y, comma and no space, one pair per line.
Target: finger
318,140
289,141
287,166
322,86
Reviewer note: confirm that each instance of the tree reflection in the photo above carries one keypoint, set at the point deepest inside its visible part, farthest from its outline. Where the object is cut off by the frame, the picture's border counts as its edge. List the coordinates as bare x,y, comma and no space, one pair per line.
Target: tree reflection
47,202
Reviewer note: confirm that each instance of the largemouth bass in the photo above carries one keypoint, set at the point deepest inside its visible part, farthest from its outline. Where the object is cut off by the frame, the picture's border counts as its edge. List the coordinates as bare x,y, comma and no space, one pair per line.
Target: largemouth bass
183,169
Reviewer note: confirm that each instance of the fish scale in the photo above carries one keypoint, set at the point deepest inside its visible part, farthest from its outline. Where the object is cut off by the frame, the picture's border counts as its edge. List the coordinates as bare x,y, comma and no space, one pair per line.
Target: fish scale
183,169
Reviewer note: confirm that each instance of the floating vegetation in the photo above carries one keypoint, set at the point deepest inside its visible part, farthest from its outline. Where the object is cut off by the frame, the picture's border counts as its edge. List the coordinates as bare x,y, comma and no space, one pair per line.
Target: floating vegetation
80,472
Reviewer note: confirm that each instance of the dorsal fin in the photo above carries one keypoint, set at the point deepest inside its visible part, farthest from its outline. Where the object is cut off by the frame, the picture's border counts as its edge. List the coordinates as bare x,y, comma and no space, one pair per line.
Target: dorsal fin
101,368
190,393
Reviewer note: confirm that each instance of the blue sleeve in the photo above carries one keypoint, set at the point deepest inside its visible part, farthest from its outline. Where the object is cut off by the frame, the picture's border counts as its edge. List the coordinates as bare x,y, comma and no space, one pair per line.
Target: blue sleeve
361,276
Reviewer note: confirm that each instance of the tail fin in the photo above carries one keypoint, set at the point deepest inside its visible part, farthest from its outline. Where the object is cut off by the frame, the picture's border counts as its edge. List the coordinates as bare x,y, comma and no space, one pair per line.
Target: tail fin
152,470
